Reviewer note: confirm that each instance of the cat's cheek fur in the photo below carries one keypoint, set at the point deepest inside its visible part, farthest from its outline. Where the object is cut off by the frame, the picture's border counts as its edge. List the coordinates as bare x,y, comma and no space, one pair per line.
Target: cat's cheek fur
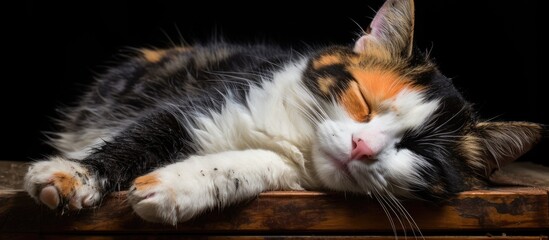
331,175
183,190
334,139
397,171
405,172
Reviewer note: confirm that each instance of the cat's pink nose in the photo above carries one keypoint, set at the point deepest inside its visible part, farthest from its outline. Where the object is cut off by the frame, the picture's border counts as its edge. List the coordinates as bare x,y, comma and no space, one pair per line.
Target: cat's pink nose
361,150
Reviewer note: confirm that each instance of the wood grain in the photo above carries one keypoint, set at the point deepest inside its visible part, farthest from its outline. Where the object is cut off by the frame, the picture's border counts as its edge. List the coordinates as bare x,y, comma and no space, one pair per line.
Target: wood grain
294,215
161,237
496,209
11,174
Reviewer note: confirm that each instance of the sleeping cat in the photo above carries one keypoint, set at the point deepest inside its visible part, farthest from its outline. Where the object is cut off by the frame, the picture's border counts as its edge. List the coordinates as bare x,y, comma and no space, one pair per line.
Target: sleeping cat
194,128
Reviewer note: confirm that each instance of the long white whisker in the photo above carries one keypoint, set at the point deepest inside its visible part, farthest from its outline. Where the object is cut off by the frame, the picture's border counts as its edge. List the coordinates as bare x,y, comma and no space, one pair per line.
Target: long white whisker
450,119
228,75
268,61
257,74
387,214
409,218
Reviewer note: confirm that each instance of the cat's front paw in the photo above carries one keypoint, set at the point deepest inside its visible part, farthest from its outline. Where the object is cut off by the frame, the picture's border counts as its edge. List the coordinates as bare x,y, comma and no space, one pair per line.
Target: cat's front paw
169,197
61,183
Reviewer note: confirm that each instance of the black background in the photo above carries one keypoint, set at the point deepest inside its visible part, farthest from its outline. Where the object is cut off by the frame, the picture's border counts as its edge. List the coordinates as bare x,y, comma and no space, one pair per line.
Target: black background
492,50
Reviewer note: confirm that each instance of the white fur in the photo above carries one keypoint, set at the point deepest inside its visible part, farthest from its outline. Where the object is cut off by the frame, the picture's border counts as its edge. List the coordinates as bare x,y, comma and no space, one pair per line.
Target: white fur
79,145
272,119
199,183
40,175
393,168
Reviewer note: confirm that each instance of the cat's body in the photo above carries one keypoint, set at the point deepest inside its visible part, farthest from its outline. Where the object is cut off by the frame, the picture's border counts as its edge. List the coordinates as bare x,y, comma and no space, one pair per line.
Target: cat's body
193,128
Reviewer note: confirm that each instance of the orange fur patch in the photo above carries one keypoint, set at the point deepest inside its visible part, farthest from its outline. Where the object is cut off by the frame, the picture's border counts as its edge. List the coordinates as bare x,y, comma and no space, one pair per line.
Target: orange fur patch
376,86
153,56
327,60
325,83
146,182
379,85
66,183
353,102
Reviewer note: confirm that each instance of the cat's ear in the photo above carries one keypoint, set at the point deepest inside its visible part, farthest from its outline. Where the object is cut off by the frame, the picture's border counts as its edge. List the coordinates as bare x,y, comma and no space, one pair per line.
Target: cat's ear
491,145
391,31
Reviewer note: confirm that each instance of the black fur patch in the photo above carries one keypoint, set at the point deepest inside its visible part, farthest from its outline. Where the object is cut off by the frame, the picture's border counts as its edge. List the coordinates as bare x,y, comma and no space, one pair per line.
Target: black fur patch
138,91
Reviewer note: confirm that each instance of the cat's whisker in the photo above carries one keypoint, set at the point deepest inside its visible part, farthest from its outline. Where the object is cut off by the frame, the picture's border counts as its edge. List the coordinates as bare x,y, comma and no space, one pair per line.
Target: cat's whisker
397,212
256,73
446,134
387,213
221,74
362,30
435,146
307,113
267,61
313,112
314,105
168,37
230,84
182,41
312,118
406,214
463,108
437,140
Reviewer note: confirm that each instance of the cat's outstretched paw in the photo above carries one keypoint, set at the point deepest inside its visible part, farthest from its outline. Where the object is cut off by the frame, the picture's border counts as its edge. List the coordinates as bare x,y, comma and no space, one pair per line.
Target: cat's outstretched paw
60,183
168,197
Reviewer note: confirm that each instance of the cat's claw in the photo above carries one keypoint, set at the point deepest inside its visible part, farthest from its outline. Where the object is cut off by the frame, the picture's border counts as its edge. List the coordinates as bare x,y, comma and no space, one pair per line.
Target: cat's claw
60,183
153,200
156,198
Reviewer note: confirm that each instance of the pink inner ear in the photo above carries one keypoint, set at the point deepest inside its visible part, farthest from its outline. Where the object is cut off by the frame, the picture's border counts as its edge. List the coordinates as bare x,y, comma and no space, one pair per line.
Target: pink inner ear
360,45
377,23
373,31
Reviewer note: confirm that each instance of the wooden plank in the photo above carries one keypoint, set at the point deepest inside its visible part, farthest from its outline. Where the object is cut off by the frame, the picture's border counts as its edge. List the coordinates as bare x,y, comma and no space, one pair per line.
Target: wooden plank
496,209
11,174
161,237
19,236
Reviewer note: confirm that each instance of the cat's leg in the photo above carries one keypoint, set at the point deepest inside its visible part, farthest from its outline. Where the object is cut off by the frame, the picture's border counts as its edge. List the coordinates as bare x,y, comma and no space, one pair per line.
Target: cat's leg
151,142
180,191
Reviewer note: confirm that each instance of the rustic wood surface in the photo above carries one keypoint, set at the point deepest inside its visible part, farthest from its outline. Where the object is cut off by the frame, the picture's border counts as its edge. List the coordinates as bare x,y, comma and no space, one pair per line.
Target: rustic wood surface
497,209
193,237
11,174
524,210
275,237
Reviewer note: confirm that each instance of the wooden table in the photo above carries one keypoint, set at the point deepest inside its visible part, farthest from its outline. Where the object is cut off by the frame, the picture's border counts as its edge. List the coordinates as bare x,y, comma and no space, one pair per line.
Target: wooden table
498,213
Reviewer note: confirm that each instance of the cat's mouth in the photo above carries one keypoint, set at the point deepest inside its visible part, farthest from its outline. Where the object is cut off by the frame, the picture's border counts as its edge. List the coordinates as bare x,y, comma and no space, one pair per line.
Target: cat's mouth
366,160
343,164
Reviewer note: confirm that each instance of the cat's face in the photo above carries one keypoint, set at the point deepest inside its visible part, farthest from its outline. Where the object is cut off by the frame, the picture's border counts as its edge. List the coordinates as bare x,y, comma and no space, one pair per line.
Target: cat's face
391,122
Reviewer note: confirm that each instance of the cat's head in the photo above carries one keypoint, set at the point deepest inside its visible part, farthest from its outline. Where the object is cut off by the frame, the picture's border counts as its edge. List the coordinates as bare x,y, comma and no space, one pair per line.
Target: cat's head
391,122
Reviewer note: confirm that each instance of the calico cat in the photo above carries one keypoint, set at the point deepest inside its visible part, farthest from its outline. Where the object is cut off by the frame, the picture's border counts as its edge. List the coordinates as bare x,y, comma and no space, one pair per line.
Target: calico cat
194,128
